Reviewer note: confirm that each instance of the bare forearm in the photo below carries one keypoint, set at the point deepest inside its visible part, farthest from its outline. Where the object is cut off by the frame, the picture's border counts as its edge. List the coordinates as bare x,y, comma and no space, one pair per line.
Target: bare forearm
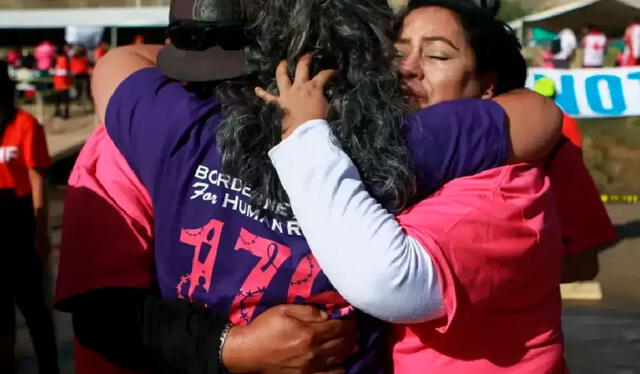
115,67
581,267
40,202
535,124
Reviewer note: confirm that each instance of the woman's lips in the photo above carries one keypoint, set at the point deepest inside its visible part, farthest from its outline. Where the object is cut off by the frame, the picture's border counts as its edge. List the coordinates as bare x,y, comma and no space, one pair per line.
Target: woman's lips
414,97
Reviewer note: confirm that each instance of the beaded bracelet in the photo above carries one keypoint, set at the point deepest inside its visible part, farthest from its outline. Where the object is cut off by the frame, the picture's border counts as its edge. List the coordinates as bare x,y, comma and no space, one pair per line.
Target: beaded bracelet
223,339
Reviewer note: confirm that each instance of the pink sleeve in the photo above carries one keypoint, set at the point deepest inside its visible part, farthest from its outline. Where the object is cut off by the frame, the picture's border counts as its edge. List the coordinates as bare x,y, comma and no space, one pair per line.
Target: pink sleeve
485,233
425,222
107,227
445,277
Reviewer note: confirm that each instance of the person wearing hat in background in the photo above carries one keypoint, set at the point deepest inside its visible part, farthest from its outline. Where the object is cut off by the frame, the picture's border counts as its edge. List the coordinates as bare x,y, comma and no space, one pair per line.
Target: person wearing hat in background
585,222
25,248
86,293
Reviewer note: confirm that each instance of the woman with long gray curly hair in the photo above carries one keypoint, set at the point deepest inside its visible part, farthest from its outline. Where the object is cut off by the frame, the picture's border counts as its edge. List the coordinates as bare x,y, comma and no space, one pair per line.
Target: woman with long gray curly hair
353,37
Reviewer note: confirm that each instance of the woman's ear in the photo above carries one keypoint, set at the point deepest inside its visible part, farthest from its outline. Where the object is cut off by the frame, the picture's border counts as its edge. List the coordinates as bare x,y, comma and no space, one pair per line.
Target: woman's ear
489,82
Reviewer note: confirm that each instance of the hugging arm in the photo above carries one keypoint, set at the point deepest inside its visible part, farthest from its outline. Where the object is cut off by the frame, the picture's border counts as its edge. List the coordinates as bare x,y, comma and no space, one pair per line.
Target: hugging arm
359,245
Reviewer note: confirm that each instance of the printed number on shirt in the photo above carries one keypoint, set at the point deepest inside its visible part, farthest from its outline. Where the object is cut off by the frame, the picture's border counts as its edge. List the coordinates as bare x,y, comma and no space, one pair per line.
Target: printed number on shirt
272,255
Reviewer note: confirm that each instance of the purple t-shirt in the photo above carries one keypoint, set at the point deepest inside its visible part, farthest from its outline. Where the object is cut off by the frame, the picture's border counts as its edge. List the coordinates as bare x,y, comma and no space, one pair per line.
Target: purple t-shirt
213,246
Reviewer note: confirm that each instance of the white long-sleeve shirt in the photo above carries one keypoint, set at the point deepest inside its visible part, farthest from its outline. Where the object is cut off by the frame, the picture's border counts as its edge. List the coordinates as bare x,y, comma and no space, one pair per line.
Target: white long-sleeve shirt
568,44
359,245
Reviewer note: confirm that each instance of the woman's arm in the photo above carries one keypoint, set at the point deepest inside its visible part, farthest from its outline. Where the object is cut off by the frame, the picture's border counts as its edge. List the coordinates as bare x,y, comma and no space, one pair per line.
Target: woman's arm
359,245
41,211
534,122
139,331
106,268
581,267
114,67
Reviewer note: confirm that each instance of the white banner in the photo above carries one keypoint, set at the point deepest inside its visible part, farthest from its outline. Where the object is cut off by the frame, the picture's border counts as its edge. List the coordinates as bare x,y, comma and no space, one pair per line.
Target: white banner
590,93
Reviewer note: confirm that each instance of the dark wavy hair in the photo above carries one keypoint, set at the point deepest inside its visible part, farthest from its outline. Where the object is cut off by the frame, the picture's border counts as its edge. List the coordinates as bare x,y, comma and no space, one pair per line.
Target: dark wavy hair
356,37
494,43
8,108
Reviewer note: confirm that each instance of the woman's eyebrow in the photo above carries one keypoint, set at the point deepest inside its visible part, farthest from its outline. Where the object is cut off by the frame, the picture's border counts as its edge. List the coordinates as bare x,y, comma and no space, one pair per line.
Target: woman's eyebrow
440,39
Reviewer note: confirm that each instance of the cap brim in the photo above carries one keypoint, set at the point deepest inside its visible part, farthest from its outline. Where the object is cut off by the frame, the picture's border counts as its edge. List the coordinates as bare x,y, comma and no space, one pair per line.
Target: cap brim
212,64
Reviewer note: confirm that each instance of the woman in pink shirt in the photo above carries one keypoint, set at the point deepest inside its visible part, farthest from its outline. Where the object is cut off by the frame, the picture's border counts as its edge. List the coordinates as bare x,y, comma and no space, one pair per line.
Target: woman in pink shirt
493,240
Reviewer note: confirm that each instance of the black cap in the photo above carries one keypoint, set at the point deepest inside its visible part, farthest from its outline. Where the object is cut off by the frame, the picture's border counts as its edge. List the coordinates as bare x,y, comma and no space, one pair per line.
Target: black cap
207,40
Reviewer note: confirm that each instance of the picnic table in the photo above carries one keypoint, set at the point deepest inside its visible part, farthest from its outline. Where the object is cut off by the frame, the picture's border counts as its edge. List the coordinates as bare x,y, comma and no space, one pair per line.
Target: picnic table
27,80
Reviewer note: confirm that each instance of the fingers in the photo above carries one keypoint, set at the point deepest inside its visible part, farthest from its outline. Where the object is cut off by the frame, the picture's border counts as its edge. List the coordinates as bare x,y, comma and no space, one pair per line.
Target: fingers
305,313
323,77
265,96
302,69
334,329
282,76
332,371
333,353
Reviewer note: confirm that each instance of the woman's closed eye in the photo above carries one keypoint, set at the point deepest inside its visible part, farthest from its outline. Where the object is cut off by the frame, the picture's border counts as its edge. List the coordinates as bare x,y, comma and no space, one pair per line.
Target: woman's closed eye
436,56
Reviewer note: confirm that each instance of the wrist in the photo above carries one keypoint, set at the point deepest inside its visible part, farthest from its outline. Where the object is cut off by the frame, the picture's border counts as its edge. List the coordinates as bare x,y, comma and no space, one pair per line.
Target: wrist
236,355
290,129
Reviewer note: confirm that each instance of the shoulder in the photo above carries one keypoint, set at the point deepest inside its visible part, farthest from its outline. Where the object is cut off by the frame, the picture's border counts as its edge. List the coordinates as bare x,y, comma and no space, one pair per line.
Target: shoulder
515,182
494,205
148,98
521,183
448,120
150,86
454,109
25,121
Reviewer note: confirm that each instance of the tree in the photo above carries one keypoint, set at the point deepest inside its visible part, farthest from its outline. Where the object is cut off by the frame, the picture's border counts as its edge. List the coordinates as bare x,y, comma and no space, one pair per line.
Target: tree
512,9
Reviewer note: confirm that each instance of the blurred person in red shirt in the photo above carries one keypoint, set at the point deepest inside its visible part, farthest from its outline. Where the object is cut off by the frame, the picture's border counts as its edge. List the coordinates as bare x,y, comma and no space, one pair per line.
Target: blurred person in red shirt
13,57
102,50
80,72
631,54
23,227
62,83
138,39
585,222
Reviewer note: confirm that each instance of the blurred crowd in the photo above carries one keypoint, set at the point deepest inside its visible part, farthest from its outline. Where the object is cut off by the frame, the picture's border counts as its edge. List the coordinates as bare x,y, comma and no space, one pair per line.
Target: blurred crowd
57,73
594,44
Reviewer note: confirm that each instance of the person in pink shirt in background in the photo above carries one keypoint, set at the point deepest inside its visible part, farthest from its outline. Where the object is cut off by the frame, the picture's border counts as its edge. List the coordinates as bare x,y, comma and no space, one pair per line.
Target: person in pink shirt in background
45,54
13,57
547,60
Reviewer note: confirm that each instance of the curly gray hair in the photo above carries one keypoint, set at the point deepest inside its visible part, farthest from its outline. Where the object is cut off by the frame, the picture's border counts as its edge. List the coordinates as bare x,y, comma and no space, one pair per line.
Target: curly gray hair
356,37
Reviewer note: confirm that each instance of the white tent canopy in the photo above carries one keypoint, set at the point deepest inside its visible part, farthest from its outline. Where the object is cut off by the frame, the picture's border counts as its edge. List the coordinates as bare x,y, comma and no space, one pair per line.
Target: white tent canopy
611,16
96,17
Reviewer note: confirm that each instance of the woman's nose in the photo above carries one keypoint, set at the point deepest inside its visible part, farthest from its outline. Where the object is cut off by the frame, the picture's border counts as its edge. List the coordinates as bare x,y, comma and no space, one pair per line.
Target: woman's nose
410,67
